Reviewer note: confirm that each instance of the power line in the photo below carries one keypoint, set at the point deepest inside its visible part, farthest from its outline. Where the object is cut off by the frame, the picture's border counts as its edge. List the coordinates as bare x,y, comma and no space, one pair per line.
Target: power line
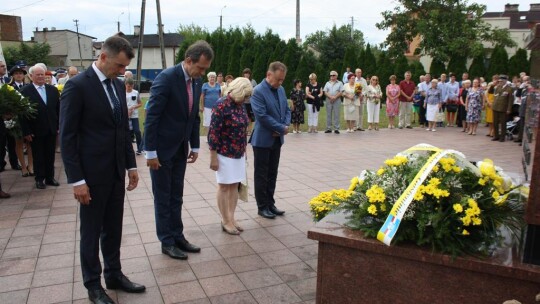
17,8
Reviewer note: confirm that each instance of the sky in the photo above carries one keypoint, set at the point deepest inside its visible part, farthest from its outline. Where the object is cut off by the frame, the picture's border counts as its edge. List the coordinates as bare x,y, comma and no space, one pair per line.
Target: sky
98,18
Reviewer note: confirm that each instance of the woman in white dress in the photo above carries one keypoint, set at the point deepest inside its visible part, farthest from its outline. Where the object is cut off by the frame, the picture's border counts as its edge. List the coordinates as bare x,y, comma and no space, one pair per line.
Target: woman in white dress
227,139
351,103
373,96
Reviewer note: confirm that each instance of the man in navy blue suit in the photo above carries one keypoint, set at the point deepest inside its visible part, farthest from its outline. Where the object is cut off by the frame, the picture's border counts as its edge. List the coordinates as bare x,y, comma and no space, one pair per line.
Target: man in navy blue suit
97,151
171,140
272,120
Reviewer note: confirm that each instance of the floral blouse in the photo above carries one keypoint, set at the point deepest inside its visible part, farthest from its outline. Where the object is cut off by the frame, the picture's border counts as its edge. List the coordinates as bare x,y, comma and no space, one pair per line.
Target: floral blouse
228,128
371,92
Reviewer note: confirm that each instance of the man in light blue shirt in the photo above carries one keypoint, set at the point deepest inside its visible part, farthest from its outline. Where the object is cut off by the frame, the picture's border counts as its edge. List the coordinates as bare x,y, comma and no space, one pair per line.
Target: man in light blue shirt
332,91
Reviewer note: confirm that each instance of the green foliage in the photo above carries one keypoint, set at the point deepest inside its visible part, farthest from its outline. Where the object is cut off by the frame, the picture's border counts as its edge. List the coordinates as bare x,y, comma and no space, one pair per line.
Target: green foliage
349,60
518,63
457,64
370,64
12,104
417,69
32,53
385,70
401,65
307,65
478,67
498,62
437,67
291,59
446,27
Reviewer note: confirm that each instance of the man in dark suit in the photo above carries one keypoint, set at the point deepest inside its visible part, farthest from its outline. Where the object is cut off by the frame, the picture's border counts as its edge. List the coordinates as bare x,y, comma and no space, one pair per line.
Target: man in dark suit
40,131
171,129
97,151
272,120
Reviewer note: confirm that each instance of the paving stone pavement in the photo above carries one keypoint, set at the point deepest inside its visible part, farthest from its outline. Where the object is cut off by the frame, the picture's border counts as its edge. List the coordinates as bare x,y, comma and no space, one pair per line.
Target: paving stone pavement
272,261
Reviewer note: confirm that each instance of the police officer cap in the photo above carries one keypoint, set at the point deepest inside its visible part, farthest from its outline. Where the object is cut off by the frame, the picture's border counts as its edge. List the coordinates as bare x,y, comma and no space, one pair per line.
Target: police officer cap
16,68
61,71
21,63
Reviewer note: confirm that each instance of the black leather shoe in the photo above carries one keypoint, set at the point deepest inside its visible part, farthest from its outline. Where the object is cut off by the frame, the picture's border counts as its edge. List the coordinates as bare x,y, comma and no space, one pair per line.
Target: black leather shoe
123,283
186,246
174,252
276,211
494,139
16,167
99,296
52,182
40,185
266,214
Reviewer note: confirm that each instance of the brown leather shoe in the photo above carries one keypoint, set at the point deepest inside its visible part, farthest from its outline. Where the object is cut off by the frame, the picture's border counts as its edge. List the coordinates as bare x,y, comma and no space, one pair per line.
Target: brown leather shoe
4,194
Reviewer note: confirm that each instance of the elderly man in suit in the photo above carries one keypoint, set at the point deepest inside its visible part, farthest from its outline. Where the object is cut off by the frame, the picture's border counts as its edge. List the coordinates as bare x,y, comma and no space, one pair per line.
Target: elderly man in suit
171,130
97,152
272,120
41,130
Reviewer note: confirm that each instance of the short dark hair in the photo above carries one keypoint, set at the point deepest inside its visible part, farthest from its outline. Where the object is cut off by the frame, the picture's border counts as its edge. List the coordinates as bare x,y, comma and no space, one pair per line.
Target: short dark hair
277,65
114,45
246,70
197,49
297,81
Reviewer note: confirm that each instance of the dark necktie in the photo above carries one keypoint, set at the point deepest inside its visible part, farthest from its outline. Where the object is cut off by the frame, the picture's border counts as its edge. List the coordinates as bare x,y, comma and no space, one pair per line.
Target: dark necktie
117,112
190,95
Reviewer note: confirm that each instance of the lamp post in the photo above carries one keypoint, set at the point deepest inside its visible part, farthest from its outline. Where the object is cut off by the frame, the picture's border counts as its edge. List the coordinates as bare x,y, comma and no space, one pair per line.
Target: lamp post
118,21
221,18
37,24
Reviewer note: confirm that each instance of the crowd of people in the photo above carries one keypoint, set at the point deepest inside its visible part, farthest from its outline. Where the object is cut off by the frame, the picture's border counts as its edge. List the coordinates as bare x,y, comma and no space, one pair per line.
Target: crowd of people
441,101
96,117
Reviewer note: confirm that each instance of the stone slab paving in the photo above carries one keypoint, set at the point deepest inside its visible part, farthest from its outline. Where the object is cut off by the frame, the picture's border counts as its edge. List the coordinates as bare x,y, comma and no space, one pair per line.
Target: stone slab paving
272,261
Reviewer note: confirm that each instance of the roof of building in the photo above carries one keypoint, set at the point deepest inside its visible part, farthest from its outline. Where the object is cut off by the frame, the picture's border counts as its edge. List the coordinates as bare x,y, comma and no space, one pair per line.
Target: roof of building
152,40
49,30
519,20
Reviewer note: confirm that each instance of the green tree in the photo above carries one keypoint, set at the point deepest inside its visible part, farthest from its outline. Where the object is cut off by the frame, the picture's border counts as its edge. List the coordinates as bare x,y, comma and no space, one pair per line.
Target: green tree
307,65
370,63
457,64
291,59
266,49
417,69
478,67
361,61
350,59
384,71
249,47
401,65
446,27
437,67
498,63
518,63
38,52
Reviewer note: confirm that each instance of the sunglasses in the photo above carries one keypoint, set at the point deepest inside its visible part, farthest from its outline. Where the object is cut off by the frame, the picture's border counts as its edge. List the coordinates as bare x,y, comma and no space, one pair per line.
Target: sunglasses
332,75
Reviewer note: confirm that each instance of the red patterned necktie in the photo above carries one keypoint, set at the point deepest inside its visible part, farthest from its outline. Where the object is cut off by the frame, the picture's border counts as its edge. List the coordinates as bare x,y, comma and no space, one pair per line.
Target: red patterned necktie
190,95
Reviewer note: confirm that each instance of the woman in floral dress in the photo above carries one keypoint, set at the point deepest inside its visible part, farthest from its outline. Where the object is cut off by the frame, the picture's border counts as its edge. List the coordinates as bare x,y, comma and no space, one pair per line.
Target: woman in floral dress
474,103
298,106
227,140
392,101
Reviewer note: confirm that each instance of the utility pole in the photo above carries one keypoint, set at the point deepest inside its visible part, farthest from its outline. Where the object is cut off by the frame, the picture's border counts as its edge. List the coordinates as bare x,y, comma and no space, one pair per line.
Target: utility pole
160,35
118,22
140,46
352,27
298,39
221,19
79,41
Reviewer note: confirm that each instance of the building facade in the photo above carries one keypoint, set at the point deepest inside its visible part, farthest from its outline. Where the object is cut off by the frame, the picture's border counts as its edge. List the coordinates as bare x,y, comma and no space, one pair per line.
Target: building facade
65,47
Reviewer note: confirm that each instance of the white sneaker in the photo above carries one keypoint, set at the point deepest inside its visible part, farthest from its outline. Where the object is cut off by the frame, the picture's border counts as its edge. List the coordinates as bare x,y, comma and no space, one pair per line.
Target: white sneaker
428,129
299,132
294,131
433,130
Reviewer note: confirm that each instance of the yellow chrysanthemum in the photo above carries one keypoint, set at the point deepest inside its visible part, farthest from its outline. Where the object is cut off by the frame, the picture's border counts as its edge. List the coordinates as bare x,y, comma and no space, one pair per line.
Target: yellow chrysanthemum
380,171
465,232
354,183
476,221
375,194
495,194
372,209
466,220
482,181
458,208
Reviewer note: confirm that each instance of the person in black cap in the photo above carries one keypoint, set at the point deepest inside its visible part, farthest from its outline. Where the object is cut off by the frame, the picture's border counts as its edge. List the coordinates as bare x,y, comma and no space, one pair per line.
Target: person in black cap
22,64
17,74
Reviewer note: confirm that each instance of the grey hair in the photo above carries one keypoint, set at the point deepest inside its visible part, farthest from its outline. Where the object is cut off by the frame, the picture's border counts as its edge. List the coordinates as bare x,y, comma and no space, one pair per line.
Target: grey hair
32,68
42,65
129,81
240,88
277,65
211,74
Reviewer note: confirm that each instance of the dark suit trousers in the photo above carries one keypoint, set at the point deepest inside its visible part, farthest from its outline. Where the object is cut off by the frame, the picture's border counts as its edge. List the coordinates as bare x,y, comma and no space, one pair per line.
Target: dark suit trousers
101,220
9,142
499,124
168,189
43,152
266,162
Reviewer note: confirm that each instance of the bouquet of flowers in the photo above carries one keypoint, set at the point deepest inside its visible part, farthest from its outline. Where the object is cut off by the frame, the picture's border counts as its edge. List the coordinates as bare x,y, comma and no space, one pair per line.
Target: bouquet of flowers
60,88
436,198
327,201
357,89
12,103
